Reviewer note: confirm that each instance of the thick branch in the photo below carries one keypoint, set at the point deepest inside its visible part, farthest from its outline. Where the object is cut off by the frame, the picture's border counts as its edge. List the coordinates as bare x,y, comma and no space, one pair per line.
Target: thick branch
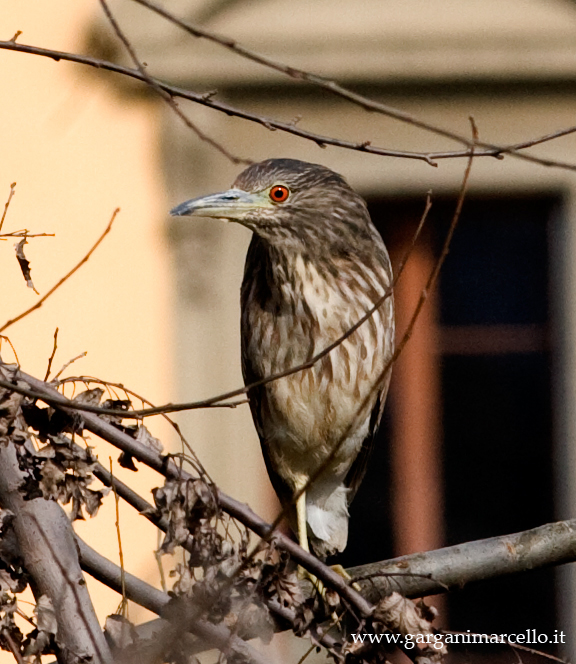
47,547
415,575
110,574
454,567
166,467
442,570
218,636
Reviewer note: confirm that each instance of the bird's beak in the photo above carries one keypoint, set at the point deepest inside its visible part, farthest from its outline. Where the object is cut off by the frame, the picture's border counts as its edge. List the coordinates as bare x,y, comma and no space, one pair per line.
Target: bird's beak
232,204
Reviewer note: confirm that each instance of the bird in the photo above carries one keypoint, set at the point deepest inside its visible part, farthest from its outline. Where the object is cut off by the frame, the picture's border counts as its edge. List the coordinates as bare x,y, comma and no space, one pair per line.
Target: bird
315,265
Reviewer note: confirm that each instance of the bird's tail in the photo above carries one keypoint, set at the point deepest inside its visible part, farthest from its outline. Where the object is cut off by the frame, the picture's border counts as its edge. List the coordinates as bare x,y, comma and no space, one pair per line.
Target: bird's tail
327,517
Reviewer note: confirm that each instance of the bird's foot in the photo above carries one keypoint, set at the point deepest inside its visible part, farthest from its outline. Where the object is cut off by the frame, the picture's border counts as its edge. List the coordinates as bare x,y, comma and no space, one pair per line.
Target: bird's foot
344,574
329,597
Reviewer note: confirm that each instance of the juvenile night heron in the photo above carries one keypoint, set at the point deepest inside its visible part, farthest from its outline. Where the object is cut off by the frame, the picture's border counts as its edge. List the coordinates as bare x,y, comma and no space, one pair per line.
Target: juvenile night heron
315,265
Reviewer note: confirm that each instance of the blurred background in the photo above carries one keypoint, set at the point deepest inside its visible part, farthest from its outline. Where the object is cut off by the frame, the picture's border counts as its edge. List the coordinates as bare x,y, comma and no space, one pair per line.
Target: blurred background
479,437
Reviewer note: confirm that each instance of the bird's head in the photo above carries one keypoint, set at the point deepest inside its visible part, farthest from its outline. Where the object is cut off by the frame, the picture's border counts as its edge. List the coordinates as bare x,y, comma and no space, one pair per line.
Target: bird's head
288,202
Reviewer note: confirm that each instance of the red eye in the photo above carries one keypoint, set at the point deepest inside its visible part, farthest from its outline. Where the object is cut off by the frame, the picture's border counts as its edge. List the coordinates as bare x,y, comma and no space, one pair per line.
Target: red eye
279,193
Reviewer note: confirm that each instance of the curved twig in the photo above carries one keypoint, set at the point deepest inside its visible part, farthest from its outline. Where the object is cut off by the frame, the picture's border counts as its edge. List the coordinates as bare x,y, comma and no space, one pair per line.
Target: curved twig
54,288
291,128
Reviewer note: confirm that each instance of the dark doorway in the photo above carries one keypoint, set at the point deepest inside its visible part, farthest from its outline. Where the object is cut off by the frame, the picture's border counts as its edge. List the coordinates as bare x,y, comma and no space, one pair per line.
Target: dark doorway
487,338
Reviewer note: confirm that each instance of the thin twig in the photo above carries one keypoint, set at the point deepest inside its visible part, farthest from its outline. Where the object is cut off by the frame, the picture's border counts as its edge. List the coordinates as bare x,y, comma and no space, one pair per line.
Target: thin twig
196,463
7,204
307,654
124,602
67,364
166,467
25,233
51,358
335,88
490,150
165,95
13,646
64,278
7,339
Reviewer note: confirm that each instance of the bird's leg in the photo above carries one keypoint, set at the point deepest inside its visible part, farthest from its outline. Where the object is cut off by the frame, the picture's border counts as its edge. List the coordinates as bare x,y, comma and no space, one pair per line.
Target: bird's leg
303,534
303,541
344,574
301,520
302,526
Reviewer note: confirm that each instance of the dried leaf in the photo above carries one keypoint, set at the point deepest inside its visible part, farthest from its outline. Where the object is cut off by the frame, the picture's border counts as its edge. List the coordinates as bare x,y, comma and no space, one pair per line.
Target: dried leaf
119,631
116,404
90,397
401,615
304,617
41,640
281,582
6,517
127,461
146,438
9,404
52,479
65,472
184,582
332,598
45,615
24,264
11,581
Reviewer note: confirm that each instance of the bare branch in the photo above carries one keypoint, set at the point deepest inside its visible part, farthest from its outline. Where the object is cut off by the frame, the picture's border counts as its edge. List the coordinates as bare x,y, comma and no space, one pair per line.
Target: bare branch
7,204
166,467
67,364
291,127
218,636
415,575
366,103
65,278
124,604
24,233
452,568
110,574
165,95
46,544
52,354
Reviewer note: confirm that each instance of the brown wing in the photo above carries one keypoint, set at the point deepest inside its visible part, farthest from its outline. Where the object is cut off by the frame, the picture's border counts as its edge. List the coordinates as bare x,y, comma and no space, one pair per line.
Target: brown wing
257,398
358,469
255,296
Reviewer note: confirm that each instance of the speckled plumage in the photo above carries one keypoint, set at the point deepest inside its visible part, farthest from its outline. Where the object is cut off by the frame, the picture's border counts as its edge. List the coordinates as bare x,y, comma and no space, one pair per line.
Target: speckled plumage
308,278
315,266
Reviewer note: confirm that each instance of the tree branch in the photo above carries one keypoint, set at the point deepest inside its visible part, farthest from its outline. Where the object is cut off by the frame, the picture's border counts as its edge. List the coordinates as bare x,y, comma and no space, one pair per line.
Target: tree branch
362,101
166,467
291,128
218,636
415,575
47,547
78,265
454,567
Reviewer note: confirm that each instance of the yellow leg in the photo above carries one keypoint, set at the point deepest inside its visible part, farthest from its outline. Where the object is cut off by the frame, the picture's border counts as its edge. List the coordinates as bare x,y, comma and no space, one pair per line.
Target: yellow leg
303,541
302,529
344,574
301,520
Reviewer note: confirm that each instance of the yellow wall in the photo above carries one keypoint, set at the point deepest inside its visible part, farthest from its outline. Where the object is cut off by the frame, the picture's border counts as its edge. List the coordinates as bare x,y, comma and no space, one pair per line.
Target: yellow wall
77,152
